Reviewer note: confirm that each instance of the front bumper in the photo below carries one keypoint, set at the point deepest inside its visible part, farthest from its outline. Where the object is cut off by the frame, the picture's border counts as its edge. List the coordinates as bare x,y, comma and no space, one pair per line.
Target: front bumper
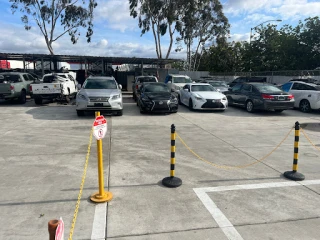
160,106
95,106
212,104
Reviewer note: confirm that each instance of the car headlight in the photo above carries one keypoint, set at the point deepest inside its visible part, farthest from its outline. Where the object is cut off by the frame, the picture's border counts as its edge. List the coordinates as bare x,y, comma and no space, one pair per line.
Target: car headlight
224,99
199,98
144,99
81,96
115,97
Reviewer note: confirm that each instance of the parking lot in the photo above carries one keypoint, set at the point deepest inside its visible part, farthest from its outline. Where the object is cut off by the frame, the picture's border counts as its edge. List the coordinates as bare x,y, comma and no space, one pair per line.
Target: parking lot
229,191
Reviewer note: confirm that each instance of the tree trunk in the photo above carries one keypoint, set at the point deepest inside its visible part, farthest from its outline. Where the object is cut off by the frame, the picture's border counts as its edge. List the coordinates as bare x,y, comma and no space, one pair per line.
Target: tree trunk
49,45
155,39
171,41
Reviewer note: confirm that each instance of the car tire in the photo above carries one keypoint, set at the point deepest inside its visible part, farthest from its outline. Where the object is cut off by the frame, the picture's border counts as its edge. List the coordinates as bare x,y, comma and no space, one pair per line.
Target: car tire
120,113
38,101
190,105
134,97
249,106
23,97
304,106
80,113
179,100
278,110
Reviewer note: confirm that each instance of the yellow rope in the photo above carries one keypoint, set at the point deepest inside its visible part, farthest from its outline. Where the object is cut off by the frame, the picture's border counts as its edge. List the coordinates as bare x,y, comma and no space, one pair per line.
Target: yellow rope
81,188
303,132
232,167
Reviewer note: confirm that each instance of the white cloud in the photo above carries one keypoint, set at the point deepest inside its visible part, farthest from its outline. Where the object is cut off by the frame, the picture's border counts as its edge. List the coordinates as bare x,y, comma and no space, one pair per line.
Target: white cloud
116,14
14,39
236,7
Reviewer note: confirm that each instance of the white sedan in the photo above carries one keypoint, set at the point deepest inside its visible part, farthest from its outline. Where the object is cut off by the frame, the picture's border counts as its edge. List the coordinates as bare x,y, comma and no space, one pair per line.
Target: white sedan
202,96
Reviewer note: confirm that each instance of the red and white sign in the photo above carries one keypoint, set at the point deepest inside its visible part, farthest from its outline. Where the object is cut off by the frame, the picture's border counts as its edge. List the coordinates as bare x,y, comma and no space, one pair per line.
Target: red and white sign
99,127
60,230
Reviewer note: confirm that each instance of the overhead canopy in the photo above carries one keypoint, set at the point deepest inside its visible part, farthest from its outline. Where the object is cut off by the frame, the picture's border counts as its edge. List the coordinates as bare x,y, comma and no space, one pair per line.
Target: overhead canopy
82,59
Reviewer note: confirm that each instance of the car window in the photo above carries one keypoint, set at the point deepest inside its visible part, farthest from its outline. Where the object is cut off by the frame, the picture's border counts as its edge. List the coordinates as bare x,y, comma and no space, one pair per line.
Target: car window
202,88
286,87
31,77
9,78
156,88
146,79
297,86
246,88
182,80
264,88
218,84
236,87
26,77
308,87
100,84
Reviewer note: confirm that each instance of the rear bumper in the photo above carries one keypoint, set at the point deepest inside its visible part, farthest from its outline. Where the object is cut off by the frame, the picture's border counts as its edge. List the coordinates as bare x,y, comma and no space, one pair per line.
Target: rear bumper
47,96
270,105
9,95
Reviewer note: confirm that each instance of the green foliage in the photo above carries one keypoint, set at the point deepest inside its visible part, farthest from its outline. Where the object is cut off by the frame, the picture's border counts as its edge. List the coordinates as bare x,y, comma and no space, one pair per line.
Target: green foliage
199,21
47,14
290,48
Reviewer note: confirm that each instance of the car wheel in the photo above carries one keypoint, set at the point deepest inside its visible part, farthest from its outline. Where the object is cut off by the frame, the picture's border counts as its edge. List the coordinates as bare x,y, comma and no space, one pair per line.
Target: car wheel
190,105
179,100
134,97
249,106
23,97
304,106
278,110
120,113
38,101
80,113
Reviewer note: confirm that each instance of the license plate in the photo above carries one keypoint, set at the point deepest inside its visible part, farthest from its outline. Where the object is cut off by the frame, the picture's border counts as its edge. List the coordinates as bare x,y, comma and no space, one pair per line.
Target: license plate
281,98
98,104
216,100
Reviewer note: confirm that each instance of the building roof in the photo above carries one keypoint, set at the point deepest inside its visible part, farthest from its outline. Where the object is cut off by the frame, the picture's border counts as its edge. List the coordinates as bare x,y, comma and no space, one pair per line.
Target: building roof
82,59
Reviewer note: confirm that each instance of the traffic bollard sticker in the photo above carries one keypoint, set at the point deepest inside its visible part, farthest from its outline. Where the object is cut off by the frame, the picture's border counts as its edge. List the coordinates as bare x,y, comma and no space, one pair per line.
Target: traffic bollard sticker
99,127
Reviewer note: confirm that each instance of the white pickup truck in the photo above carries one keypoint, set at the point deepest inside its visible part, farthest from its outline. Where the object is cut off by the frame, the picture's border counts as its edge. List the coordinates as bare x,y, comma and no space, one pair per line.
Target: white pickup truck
59,86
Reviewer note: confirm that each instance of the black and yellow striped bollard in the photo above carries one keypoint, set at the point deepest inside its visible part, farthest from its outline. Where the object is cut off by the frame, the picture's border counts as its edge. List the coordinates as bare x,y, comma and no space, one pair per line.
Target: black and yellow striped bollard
294,175
172,181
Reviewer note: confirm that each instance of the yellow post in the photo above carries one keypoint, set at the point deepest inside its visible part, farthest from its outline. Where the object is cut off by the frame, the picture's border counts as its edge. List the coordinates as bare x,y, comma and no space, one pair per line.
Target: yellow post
101,196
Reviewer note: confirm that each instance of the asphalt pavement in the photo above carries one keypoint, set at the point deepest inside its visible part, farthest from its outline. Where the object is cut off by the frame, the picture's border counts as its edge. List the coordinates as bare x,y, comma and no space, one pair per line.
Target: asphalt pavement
232,187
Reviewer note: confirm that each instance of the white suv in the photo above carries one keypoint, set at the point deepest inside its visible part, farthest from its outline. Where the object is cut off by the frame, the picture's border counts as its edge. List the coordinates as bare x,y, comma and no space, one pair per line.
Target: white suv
100,94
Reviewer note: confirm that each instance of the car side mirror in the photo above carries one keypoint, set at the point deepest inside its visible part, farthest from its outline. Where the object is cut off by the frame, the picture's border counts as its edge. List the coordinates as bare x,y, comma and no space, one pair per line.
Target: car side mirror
120,86
78,86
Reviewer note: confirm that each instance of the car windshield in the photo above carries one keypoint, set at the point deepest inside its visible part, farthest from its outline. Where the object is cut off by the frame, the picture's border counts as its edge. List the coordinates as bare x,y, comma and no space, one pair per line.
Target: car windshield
267,88
147,79
9,78
182,80
218,84
202,88
156,88
100,84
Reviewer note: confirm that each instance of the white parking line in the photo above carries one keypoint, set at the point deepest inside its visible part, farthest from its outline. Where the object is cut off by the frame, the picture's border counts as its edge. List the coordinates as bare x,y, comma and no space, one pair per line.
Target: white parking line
222,221
99,222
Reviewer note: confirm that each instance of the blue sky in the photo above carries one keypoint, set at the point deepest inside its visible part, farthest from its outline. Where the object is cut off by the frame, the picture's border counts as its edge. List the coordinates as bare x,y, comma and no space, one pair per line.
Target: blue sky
117,34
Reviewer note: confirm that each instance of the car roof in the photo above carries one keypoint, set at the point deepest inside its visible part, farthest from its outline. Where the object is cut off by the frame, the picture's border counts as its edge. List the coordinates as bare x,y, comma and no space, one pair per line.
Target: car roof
157,83
177,75
100,77
306,83
11,73
191,84
145,76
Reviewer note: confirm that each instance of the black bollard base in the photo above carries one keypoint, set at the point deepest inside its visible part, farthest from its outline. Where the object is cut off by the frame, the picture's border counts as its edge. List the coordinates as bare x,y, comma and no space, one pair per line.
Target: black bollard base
293,175
172,182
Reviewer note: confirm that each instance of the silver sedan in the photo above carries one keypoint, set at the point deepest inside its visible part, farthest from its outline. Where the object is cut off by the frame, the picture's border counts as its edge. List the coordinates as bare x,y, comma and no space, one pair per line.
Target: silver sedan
99,94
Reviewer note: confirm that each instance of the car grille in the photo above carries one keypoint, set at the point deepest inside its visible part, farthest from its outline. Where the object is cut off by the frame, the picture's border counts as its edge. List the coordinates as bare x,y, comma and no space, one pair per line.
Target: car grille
158,106
99,99
211,104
